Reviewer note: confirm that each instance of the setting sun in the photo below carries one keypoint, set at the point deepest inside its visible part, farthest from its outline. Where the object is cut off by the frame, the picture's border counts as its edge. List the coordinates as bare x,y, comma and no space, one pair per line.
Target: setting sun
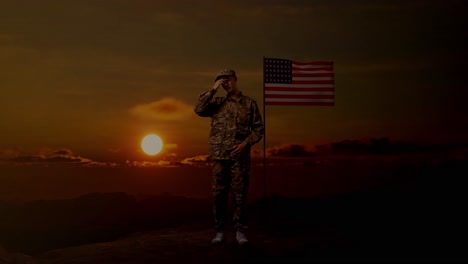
152,144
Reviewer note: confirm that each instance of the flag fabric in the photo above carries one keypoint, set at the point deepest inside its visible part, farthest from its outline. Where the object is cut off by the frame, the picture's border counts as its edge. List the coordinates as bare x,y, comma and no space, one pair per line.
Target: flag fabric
289,82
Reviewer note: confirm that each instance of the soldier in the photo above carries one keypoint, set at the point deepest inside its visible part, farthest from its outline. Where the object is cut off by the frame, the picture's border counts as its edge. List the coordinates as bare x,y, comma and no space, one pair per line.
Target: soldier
236,124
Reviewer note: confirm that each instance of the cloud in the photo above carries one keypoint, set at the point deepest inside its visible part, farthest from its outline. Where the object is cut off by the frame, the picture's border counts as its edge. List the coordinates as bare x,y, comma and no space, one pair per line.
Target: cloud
63,152
255,153
165,109
149,164
6,154
61,156
290,150
197,161
200,160
383,146
287,150
52,156
378,147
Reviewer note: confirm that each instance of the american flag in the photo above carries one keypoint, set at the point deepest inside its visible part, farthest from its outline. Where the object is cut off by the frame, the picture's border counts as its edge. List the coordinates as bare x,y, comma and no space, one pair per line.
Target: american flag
289,82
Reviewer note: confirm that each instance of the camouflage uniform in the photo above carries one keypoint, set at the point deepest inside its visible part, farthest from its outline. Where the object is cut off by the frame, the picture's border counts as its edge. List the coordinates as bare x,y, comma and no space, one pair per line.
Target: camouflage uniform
233,121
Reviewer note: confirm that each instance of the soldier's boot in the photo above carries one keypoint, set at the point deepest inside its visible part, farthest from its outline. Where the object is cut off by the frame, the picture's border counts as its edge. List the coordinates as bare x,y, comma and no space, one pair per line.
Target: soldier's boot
241,239
218,239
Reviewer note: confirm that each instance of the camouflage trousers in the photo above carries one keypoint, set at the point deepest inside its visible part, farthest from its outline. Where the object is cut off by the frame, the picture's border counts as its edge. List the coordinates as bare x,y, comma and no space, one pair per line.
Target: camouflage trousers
230,176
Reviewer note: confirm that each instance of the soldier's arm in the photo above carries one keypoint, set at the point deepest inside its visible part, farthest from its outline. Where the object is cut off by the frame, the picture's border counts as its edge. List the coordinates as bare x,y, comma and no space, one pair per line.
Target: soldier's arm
257,128
206,103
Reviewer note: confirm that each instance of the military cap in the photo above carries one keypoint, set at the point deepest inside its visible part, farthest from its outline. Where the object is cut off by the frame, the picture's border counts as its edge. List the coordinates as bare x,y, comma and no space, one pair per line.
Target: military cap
225,73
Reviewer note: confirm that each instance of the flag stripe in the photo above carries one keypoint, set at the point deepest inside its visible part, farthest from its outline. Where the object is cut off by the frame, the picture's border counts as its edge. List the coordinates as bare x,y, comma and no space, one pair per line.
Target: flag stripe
287,90
300,92
314,63
311,74
305,96
312,68
313,82
311,78
298,100
302,103
271,86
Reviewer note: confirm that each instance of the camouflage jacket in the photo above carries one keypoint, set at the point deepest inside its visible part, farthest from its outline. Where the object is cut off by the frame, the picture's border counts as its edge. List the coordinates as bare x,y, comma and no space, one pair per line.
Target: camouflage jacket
233,121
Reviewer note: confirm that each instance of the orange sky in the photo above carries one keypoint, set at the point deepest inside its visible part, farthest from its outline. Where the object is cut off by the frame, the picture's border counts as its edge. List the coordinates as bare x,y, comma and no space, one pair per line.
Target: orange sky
87,80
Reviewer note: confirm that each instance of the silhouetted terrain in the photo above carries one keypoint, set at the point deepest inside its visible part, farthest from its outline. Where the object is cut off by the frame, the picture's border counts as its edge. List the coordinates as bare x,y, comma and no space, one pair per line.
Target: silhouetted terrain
417,218
420,218
43,225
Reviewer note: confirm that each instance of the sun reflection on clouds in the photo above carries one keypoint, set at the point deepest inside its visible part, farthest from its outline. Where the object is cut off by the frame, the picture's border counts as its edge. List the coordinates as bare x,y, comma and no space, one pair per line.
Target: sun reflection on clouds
200,160
196,161
151,164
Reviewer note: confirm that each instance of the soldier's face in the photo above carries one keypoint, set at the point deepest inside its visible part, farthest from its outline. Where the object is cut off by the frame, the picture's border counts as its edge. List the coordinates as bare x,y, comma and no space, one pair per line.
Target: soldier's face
229,83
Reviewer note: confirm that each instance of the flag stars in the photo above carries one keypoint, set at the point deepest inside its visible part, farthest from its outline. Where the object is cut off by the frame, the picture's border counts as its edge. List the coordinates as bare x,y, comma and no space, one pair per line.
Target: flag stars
278,71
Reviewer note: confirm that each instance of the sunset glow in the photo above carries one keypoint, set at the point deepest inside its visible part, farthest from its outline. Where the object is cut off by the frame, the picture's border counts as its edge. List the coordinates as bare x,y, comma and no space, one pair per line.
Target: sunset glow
151,144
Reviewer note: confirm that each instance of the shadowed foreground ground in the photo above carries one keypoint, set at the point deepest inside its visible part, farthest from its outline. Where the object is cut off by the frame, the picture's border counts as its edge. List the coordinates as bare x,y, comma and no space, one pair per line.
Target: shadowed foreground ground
179,245
418,219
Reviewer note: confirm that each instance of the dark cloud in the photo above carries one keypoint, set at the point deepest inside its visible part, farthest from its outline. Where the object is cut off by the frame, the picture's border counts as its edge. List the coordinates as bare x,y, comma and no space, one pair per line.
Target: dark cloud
27,159
62,156
65,159
59,156
63,152
290,150
383,146
6,154
372,146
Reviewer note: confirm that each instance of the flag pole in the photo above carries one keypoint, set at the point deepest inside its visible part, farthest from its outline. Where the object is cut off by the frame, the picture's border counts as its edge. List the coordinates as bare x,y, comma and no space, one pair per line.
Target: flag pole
264,132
